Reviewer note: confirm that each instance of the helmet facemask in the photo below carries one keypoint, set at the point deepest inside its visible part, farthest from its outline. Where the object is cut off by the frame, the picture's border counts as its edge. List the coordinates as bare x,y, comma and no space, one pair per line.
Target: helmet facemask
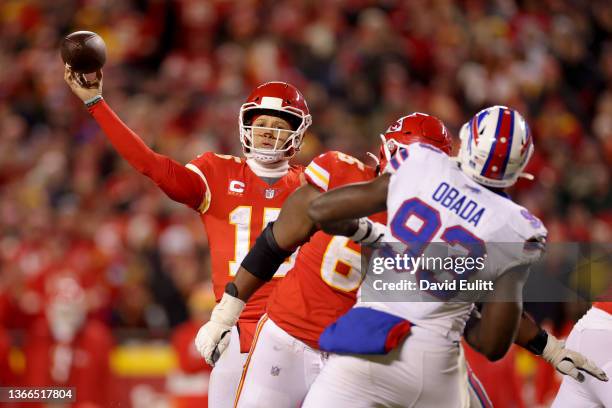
280,149
388,148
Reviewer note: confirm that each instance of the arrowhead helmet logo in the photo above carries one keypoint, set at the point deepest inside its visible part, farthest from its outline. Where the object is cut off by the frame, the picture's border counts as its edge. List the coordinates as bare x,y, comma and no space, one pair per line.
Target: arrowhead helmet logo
396,126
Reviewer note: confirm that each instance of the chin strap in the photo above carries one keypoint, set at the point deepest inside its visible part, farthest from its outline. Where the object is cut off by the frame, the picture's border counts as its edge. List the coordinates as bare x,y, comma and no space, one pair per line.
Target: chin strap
278,169
385,148
373,157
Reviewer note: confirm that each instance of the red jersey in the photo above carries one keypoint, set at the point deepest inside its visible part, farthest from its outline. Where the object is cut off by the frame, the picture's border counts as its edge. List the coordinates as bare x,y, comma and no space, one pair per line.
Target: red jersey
236,208
235,204
605,306
323,283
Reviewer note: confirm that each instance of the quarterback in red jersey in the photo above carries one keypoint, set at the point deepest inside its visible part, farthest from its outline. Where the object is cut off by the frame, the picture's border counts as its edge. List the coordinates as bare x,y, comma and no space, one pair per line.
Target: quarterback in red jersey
236,197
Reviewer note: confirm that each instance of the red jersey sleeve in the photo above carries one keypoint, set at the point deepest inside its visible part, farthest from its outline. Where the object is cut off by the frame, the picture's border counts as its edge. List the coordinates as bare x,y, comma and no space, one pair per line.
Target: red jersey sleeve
178,182
206,166
333,169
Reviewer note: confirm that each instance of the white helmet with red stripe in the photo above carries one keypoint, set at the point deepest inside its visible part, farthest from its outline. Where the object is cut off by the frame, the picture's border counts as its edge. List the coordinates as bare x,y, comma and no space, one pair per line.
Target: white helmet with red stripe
496,145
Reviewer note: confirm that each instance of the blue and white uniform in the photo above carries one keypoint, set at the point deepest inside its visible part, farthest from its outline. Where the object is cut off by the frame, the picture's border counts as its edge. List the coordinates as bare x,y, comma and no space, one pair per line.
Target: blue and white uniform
431,200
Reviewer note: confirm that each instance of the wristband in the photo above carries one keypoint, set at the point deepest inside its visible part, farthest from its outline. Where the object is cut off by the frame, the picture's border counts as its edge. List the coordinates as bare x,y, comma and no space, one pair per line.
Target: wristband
231,289
92,101
266,256
538,343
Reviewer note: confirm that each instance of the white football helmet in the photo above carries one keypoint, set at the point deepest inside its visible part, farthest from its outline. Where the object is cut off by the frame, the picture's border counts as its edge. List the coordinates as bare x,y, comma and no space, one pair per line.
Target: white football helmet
496,145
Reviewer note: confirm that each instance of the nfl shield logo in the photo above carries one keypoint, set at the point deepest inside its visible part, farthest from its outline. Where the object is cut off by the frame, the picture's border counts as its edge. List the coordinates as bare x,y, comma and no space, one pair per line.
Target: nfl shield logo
269,193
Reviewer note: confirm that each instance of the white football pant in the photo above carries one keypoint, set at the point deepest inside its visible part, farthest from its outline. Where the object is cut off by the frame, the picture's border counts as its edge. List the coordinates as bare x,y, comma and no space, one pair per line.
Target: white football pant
225,376
591,336
279,369
425,371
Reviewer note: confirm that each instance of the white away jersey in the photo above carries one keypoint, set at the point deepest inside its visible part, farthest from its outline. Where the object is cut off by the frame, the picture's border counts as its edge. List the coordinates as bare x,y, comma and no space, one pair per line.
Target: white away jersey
430,200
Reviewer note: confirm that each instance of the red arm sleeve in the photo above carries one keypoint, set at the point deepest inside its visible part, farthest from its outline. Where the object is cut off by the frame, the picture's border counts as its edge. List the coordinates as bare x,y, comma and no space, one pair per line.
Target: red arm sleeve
178,182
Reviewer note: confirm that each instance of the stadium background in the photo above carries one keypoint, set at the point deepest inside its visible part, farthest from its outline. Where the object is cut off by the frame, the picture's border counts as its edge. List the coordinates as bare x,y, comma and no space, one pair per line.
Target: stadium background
177,73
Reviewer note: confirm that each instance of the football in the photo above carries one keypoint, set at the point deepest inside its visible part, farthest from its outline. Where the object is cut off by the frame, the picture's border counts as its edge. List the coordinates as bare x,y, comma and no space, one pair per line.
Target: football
84,51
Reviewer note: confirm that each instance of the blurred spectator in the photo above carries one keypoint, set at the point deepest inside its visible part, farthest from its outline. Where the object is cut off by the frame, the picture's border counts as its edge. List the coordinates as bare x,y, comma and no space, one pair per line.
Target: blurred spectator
6,374
188,386
64,347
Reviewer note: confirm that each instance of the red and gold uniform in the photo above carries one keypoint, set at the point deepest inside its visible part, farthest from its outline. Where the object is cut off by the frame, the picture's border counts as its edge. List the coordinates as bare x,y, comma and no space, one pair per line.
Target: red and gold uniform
237,207
320,288
234,204
327,274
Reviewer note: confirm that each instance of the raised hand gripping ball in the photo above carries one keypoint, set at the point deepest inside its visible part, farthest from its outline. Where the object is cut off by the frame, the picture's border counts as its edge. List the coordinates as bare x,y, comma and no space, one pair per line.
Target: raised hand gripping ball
84,51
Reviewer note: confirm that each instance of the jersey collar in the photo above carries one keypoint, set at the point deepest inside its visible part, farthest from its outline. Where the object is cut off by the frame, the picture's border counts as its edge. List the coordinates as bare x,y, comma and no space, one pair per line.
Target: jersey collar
274,170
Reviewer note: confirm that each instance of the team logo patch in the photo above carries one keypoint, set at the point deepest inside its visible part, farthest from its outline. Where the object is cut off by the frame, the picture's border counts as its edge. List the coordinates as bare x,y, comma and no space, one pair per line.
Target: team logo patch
269,193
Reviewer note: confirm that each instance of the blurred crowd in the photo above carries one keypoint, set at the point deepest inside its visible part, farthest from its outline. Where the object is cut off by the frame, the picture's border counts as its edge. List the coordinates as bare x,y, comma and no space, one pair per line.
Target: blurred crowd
177,72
